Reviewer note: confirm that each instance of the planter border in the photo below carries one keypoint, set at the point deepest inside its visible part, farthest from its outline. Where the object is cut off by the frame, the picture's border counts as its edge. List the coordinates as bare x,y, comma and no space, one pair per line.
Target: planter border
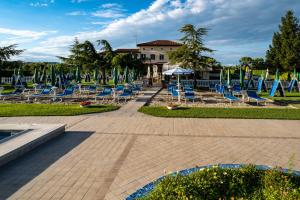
150,186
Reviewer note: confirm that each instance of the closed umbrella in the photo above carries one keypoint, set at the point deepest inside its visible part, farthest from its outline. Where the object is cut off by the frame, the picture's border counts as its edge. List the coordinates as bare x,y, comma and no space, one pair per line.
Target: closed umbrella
78,75
221,76
267,74
18,81
52,75
277,74
115,76
242,76
35,77
228,77
96,76
43,76
126,79
13,78
134,74
178,71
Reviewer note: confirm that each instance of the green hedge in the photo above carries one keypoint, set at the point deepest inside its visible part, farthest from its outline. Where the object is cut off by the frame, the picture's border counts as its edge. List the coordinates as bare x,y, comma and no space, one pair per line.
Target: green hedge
218,183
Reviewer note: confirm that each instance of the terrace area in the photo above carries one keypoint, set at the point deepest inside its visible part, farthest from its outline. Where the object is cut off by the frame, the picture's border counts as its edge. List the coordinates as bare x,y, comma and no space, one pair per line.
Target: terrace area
111,155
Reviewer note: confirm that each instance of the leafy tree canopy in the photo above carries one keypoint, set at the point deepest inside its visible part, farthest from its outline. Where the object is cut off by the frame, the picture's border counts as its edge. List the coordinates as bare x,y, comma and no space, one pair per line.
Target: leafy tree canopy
284,52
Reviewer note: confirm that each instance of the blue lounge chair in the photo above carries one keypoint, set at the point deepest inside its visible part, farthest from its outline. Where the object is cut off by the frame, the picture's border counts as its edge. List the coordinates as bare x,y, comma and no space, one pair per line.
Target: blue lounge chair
119,88
66,93
43,93
231,98
126,94
220,89
174,93
189,96
105,94
253,95
136,89
212,87
237,90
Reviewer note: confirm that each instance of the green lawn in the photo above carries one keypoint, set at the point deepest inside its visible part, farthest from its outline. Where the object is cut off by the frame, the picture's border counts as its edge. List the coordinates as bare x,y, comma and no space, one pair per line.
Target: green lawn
290,98
239,113
12,110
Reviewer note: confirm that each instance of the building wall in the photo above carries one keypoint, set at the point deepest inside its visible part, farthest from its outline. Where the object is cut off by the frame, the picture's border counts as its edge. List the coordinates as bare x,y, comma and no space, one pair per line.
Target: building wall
157,51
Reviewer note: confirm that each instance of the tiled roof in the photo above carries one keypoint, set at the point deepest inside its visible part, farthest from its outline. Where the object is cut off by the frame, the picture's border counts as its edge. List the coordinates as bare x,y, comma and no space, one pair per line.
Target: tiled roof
160,43
127,51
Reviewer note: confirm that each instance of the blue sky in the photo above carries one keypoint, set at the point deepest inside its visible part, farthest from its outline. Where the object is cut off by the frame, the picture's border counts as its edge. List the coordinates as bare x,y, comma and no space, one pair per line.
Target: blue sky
46,28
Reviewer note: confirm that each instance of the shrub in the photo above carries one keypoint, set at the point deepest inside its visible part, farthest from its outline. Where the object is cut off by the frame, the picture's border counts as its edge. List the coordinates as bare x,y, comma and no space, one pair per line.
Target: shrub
217,183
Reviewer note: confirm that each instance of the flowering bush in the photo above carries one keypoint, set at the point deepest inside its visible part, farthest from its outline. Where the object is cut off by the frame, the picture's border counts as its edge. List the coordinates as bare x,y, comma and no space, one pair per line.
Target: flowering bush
218,183
85,103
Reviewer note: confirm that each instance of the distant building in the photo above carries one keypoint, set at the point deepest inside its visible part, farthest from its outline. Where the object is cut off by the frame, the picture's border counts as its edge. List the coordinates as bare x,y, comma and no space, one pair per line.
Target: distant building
153,54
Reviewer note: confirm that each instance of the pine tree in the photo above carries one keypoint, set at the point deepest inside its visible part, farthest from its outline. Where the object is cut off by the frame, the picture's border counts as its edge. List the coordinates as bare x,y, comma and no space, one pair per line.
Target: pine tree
284,53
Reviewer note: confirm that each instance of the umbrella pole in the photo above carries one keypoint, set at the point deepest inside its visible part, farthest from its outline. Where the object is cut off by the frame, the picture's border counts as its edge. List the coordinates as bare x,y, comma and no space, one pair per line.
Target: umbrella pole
178,88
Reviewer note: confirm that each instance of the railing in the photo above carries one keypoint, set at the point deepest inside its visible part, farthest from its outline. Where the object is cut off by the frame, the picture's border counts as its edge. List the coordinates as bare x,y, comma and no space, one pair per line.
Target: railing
8,80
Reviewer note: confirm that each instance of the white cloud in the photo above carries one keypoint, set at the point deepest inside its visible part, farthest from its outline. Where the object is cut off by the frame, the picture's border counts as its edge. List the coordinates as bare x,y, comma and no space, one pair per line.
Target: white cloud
76,13
78,1
234,25
110,10
111,5
43,3
17,36
38,4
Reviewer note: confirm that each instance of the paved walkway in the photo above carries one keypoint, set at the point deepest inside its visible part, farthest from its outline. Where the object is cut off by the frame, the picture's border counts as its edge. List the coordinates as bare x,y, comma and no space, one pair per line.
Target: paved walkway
110,155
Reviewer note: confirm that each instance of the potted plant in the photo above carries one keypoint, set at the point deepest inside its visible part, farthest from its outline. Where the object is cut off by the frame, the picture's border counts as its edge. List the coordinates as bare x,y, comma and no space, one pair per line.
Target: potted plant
85,104
172,106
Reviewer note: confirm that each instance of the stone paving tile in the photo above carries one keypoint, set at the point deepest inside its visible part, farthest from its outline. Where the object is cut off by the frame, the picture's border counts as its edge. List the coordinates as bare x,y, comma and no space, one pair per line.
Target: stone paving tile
165,154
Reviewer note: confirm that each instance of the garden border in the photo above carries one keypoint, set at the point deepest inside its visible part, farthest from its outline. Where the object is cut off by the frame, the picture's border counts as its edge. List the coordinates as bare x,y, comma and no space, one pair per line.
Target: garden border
150,186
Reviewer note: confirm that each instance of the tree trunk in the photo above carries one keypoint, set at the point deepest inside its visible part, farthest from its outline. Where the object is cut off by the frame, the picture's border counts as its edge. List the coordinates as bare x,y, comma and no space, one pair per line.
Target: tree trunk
195,79
104,76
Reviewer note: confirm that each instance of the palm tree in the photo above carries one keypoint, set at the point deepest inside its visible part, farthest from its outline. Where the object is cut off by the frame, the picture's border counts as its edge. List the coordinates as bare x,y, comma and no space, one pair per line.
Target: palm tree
190,54
106,57
6,53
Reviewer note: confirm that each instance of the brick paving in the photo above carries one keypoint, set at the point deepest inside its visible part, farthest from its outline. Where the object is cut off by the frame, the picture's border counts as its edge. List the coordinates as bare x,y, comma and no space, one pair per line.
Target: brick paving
110,155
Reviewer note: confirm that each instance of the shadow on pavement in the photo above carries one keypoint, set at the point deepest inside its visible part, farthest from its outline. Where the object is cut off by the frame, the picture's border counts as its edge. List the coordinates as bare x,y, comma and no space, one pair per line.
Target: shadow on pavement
19,172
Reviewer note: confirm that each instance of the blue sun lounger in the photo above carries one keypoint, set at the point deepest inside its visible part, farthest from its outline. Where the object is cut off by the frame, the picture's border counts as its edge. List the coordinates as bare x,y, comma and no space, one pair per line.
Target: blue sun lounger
126,94
231,98
174,93
105,94
253,95
43,93
189,96
66,93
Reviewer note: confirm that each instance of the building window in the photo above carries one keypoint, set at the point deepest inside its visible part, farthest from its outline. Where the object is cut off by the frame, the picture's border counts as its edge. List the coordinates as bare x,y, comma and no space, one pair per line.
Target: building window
171,49
151,48
162,49
144,49
161,57
143,56
152,56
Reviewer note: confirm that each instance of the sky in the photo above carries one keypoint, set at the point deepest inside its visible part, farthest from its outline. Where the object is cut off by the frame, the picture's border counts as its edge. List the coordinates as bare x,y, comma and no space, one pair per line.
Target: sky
47,28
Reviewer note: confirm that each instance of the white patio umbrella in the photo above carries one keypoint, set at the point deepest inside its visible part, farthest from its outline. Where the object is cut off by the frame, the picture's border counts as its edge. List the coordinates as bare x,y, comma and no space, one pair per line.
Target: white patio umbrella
178,71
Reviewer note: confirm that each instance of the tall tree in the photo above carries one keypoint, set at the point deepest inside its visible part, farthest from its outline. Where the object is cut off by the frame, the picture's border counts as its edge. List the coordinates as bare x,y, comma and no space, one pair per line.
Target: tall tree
256,63
106,57
190,54
6,53
83,55
284,53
